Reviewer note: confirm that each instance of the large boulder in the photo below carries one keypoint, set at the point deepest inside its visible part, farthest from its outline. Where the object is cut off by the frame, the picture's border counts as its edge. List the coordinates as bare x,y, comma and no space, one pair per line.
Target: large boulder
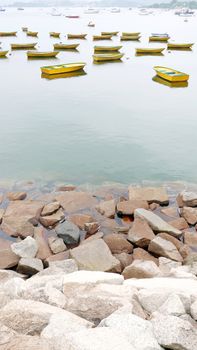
149,194
117,243
188,199
24,342
190,238
141,254
156,223
189,214
162,247
141,269
52,219
172,212
179,223
107,208
69,232
25,249
172,306
8,258
75,201
140,233
30,266
92,277
128,207
178,244
94,256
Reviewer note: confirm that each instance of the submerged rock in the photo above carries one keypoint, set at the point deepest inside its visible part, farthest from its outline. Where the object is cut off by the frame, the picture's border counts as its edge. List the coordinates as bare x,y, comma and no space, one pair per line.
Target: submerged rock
107,208
15,196
149,194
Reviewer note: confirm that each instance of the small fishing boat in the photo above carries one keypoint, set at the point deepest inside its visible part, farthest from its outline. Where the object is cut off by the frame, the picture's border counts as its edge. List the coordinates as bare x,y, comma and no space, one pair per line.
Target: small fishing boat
44,54
24,29
115,10
178,84
149,51
62,68
76,36
91,11
20,9
107,48
109,33
102,37
131,34
65,46
54,34
63,75
170,74
159,38
91,24
29,33
107,57
23,46
72,16
8,33
130,37
179,46
3,53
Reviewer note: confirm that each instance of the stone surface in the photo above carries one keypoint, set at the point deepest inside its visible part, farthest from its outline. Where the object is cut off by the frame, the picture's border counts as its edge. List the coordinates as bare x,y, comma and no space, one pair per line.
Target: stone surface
66,188
179,223
40,236
29,266
14,196
57,257
69,232
107,208
178,244
93,237
166,264
80,220
94,277
162,247
53,219
59,267
48,295
172,306
74,201
95,256
2,211
156,223
172,212
128,207
6,334
140,233
8,258
188,199
141,269
190,238
193,310
24,342
125,259
50,208
117,243
141,254
189,214
27,248
150,194
91,227
56,245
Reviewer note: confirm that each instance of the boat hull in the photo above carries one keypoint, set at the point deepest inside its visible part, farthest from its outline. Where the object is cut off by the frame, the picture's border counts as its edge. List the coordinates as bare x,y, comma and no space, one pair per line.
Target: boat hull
131,34
23,46
65,46
130,37
61,69
54,35
159,38
170,74
107,48
102,37
147,51
105,57
34,34
109,33
3,53
179,46
32,54
8,33
76,36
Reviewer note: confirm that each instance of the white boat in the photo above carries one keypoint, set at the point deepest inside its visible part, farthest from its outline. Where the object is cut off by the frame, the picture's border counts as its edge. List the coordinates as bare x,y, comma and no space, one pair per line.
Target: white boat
184,12
115,10
91,11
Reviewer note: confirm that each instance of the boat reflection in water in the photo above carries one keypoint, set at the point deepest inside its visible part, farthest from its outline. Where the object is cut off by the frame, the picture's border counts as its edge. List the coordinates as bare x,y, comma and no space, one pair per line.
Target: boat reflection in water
148,54
63,75
178,84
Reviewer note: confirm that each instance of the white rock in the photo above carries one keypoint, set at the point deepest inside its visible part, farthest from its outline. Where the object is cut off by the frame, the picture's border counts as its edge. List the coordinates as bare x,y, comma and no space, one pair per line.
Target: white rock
13,287
59,267
141,269
30,266
48,295
172,306
26,248
194,310
166,264
95,277
57,245
6,334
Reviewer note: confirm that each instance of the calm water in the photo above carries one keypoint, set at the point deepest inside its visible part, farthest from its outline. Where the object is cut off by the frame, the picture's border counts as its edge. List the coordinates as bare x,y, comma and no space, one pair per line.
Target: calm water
113,124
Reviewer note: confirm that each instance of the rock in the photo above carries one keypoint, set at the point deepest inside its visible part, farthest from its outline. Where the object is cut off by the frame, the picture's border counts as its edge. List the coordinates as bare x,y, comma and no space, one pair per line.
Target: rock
110,225
137,331
185,252
133,308
93,237
179,223
6,334
149,194
193,310
178,244
154,206
140,233
69,232
66,188
128,207
91,227
172,306
40,236
74,201
174,333
118,243
2,211
92,277
29,266
94,256
107,208
141,254
56,245
141,269
53,219
57,257
125,259
18,213
16,196
27,230
189,214
6,275
48,295
182,272
27,248
59,267
24,342
166,265
190,238
188,199
8,258
156,223
162,247
172,212
80,220
50,208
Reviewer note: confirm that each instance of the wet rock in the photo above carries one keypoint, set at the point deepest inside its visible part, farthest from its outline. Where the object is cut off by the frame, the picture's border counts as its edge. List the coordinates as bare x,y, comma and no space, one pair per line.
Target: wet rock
140,233
80,220
91,228
118,244
27,248
74,201
162,247
156,223
16,196
66,188
69,232
53,219
172,212
188,199
141,254
107,208
94,256
141,269
190,238
179,223
178,244
50,208
8,258
189,214
149,194
125,259
30,266
44,251
128,207
57,245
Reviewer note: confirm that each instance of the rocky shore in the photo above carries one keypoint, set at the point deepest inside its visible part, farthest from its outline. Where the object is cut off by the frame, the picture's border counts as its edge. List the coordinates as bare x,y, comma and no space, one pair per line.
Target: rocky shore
112,268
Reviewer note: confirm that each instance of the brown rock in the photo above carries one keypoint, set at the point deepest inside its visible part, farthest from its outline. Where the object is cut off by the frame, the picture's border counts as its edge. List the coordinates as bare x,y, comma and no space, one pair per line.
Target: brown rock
43,248
2,211
65,188
190,238
188,199
50,208
8,259
162,247
178,244
107,208
154,206
172,212
57,257
141,254
189,214
125,259
92,238
1,197
128,207
57,245
149,194
91,227
140,233
185,251
141,269
110,225
118,244
51,220
81,219
74,201
16,196
179,223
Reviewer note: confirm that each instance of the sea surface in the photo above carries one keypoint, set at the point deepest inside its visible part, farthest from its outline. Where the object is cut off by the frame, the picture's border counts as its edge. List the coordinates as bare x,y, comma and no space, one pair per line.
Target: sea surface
112,124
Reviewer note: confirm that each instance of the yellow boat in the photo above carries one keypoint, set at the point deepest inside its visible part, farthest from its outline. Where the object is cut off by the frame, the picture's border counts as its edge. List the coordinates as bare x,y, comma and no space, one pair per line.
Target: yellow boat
130,37
38,54
3,53
54,34
109,33
178,84
8,33
159,38
131,34
149,51
107,57
76,36
24,29
179,46
62,68
63,75
102,37
170,74
23,46
107,48
32,33
65,46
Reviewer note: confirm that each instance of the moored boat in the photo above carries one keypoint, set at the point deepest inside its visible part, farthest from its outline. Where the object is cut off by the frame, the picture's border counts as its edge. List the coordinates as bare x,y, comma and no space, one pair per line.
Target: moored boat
107,48
24,29
179,46
76,36
149,51
23,46
63,75
72,16
107,57
29,33
131,33
44,54
8,33
3,53
54,34
65,46
160,34
109,33
102,37
178,84
130,37
159,38
63,68
171,74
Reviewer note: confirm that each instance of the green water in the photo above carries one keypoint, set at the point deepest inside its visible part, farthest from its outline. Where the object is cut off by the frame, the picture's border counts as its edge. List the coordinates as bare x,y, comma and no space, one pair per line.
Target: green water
112,124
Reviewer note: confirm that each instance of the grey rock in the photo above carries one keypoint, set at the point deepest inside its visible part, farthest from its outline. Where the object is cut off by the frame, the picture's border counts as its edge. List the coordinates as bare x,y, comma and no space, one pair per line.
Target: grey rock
69,232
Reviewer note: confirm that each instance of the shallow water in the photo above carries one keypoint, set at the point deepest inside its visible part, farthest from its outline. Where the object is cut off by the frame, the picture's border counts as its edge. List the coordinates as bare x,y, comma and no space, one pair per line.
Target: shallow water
112,124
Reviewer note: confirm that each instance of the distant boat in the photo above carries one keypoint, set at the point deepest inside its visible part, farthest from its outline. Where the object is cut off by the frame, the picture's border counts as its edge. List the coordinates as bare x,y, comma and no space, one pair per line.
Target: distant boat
107,48
115,10
39,54
160,34
170,74
130,37
8,33
149,51
72,16
131,33
102,37
63,68
24,29
91,24
107,57
179,46
2,9
109,33
61,46
76,36
178,84
54,34
55,13
184,12
91,11
20,8
23,46
3,53
159,38
29,33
